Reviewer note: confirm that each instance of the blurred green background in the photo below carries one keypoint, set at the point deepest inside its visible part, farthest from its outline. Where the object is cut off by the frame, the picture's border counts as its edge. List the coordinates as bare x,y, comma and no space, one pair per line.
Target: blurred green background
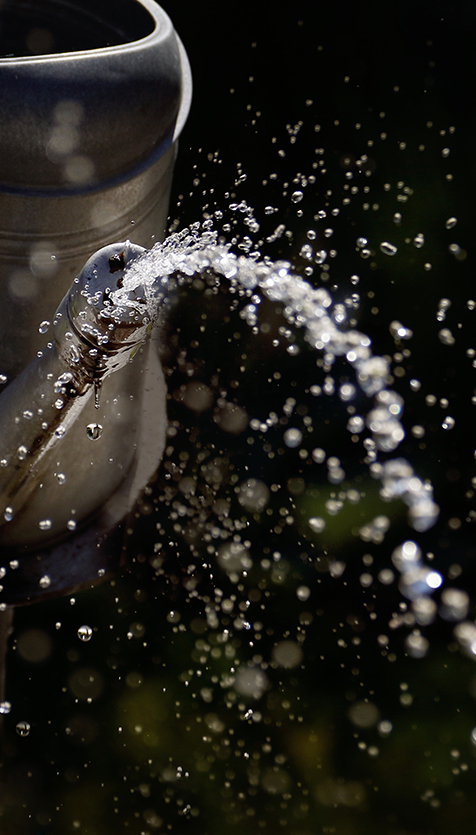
268,687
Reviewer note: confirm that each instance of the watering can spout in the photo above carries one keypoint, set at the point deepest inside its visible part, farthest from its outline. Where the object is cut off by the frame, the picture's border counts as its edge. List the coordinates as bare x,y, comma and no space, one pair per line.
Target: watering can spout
47,407
90,120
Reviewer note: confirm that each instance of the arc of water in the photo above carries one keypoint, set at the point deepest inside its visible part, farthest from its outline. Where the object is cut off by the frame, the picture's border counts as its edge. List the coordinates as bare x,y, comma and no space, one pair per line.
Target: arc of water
192,251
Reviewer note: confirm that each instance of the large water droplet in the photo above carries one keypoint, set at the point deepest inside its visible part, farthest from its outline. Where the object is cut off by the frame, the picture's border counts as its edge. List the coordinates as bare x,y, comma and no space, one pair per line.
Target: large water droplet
292,438
317,524
388,249
449,422
85,633
94,431
446,337
297,196
5,707
23,728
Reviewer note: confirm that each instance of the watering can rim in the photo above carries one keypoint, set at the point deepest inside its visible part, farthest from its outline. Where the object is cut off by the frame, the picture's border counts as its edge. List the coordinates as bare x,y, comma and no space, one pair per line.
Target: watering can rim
156,64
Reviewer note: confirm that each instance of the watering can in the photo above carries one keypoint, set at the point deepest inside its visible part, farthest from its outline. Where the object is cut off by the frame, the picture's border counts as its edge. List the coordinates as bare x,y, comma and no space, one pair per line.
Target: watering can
93,95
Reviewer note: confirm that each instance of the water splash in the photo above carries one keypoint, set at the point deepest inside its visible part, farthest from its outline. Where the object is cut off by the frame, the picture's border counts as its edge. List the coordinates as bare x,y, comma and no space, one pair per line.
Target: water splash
194,251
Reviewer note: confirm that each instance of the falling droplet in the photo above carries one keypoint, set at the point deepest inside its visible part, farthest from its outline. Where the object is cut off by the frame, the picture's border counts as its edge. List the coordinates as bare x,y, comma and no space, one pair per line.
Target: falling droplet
399,331
43,326
446,337
44,524
22,452
449,422
419,240
451,222
61,478
23,728
5,707
8,514
85,633
292,438
297,196
317,524
45,581
94,431
388,248
97,393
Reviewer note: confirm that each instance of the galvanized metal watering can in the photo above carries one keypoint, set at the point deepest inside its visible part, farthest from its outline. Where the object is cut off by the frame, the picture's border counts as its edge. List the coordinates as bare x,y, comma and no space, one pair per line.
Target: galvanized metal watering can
93,95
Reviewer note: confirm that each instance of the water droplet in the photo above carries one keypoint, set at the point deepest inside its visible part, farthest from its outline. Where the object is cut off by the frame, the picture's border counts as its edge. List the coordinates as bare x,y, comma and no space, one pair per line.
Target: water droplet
361,242
455,604
5,707
446,337
297,196
451,223
419,240
61,478
407,556
45,581
317,524
294,350
8,514
97,393
400,331
3,379
71,524
23,728
318,455
388,248
303,592
94,431
449,422
22,452
74,354
292,438
85,633
307,251
44,524
416,645
43,326
397,218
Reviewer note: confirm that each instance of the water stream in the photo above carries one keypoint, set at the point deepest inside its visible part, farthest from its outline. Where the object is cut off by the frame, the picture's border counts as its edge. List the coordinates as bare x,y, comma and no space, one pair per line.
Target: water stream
194,252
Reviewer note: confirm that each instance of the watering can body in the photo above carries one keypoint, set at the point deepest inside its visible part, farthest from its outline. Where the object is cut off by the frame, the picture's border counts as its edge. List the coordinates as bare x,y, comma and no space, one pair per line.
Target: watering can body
88,142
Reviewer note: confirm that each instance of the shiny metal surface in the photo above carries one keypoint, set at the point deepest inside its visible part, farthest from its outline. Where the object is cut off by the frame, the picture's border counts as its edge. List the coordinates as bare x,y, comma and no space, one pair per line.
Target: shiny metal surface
90,113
